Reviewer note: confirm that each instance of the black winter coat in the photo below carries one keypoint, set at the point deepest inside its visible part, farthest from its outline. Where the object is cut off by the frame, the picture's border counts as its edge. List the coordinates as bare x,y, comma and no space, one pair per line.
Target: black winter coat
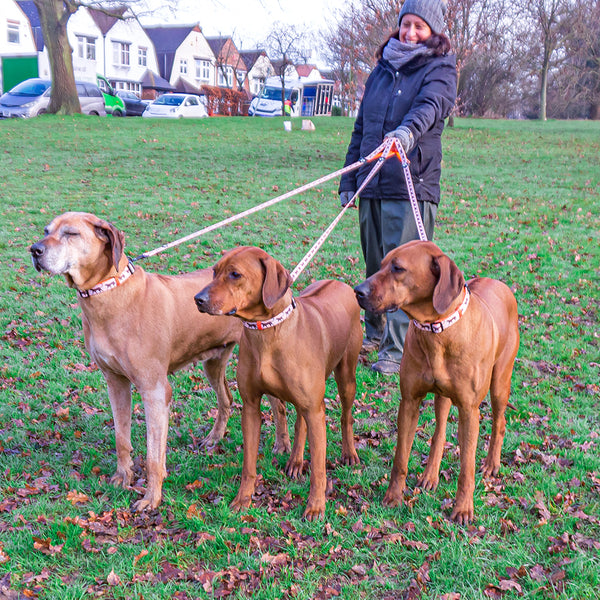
419,96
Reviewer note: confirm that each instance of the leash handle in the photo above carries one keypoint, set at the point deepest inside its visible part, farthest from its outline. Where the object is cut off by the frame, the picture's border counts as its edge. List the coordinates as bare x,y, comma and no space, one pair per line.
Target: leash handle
375,154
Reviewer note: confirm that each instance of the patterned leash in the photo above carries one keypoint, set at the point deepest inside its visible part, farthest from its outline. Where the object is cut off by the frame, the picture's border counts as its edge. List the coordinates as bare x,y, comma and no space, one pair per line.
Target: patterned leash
389,147
376,154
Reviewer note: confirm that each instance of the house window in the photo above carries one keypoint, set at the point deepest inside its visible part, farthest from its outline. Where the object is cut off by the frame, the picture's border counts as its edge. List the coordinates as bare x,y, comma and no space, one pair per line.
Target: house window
203,69
225,78
121,54
142,56
13,34
183,66
86,47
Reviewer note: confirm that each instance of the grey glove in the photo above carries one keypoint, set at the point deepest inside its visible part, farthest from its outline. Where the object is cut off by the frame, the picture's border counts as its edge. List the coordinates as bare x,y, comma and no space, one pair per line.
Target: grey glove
345,197
404,136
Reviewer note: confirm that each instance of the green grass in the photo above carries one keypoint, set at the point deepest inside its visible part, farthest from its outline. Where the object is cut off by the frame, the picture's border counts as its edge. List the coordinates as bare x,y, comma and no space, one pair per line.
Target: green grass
520,203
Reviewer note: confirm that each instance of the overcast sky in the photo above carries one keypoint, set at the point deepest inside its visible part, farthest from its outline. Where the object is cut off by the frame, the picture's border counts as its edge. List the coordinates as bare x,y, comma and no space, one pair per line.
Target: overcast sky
248,20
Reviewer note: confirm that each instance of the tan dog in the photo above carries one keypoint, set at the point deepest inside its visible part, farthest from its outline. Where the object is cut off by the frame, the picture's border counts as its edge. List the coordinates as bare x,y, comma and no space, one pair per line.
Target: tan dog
290,349
458,352
138,328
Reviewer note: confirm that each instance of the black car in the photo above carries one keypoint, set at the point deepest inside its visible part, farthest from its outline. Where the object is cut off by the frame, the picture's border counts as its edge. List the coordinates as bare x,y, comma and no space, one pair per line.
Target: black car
134,107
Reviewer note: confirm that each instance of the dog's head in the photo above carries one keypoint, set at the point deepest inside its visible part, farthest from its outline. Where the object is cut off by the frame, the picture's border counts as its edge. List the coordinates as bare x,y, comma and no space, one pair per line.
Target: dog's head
247,282
416,277
80,246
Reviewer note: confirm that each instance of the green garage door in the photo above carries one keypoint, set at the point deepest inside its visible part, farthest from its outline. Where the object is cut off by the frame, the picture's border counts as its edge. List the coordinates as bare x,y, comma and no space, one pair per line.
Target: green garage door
16,69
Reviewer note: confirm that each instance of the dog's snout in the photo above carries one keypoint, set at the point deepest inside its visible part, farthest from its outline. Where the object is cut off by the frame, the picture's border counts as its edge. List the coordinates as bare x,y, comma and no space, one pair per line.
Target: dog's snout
37,249
201,299
362,290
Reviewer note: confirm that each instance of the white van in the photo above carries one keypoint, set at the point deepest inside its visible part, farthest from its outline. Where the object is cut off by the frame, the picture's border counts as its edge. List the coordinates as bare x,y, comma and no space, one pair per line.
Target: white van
305,98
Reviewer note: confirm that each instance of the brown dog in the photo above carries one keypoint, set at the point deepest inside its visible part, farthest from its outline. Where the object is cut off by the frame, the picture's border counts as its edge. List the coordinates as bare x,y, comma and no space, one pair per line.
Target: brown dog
288,348
461,343
138,328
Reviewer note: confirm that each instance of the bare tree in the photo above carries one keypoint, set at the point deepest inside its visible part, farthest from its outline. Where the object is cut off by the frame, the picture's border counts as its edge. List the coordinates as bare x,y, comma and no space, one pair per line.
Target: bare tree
284,46
577,82
545,23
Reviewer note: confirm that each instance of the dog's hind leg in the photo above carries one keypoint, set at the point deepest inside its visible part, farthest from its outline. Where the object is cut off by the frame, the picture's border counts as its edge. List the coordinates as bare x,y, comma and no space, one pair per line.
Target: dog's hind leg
499,394
431,475
119,393
214,369
345,377
282,443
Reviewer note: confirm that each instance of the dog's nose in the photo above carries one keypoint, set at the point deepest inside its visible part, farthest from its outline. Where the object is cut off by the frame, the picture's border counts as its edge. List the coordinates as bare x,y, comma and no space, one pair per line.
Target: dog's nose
37,249
201,299
362,290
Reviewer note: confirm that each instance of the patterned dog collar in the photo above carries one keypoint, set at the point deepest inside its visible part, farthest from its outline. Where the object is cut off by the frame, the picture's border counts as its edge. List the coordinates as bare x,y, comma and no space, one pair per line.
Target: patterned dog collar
439,326
108,284
280,318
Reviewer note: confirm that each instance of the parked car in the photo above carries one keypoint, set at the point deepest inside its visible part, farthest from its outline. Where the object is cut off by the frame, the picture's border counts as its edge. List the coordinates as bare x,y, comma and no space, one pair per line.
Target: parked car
32,97
177,106
134,107
112,103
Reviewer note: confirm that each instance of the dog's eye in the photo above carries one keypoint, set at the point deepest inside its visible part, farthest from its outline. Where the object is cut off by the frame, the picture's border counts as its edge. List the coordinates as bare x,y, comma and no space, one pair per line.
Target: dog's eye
397,269
234,275
70,233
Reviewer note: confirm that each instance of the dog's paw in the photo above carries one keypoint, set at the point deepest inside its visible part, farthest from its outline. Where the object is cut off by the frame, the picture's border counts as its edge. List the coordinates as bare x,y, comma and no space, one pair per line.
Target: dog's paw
148,502
241,502
122,478
490,468
315,509
350,458
282,445
294,468
463,515
428,481
393,497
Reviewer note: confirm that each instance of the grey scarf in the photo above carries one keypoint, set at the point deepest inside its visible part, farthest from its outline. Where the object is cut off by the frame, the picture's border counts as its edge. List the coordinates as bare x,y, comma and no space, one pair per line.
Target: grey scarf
398,53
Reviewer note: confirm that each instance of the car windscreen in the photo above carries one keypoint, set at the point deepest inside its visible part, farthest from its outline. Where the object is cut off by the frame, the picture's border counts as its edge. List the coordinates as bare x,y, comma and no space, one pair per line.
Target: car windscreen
30,88
169,100
272,93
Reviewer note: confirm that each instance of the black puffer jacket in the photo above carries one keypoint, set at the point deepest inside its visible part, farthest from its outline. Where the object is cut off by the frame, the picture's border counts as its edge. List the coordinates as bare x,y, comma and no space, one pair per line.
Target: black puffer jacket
419,96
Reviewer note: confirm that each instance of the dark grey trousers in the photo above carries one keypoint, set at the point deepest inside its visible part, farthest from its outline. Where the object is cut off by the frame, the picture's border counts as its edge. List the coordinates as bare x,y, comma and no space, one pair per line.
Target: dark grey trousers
385,225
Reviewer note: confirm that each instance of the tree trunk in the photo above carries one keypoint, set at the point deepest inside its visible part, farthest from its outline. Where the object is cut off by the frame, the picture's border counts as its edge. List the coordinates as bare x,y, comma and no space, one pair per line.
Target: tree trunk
543,91
54,15
595,111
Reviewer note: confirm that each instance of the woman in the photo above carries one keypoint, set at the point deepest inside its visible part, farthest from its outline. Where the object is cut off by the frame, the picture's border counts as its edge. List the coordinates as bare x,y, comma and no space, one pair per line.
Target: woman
408,95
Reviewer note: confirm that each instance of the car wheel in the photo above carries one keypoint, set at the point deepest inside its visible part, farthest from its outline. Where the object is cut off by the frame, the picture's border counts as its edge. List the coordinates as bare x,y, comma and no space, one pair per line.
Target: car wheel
117,113
42,112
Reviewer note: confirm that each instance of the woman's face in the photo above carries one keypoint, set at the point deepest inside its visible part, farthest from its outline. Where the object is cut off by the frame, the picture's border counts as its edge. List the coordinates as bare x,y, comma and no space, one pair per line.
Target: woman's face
413,30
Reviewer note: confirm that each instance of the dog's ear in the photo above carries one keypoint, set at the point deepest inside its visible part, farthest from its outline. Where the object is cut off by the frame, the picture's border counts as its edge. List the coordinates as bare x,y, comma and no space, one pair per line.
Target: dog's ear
450,282
276,283
113,237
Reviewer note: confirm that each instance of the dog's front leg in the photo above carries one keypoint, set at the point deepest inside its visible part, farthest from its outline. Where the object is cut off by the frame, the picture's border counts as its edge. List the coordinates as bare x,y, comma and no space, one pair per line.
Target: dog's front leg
408,418
156,406
431,475
468,432
317,445
119,393
251,434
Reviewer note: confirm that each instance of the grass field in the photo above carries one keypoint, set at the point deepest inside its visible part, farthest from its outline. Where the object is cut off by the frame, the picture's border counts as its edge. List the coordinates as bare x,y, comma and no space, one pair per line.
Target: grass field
521,202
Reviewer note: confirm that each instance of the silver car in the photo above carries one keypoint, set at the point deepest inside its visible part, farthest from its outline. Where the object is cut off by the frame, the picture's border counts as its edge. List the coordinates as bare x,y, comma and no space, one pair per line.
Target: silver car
31,98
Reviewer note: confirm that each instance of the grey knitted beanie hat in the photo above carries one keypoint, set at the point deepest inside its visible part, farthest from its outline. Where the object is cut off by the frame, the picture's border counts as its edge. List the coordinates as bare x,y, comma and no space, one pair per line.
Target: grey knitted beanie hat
431,11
